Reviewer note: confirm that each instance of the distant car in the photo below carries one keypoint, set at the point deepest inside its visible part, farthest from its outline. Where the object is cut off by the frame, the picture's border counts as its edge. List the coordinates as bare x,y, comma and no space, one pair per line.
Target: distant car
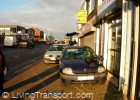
48,42
81,65
10,41
53,53
26,43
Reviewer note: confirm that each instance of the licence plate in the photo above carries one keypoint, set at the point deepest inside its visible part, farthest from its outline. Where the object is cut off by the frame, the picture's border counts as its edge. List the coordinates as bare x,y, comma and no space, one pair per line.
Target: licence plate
85,77
53,59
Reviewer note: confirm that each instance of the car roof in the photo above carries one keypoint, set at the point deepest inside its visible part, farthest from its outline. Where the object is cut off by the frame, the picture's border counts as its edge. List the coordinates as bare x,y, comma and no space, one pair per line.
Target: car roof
59,44
69,47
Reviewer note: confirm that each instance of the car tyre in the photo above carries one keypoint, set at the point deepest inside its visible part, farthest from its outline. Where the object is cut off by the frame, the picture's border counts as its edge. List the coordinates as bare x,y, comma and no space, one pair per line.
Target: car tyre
46,63
65,82
19,46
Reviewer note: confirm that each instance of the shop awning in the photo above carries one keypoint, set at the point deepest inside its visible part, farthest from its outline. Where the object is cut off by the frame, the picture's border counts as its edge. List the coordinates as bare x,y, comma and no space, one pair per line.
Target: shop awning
71,34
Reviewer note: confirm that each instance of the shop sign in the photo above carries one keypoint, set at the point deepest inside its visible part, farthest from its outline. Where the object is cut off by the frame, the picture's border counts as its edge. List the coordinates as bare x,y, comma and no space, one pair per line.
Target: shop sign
104,5
82,16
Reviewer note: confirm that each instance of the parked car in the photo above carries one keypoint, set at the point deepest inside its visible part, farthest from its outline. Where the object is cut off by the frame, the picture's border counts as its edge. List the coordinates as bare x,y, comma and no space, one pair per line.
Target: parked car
48,43
10,41
26,43
53,54
80,64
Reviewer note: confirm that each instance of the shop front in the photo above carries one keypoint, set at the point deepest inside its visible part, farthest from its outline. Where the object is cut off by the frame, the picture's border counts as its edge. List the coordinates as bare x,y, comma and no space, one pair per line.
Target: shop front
137,95
119,43
88,36
109,23
114,45
134,79
138,77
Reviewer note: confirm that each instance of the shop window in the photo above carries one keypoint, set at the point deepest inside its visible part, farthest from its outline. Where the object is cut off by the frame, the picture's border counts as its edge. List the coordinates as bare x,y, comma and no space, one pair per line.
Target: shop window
13,30
115,47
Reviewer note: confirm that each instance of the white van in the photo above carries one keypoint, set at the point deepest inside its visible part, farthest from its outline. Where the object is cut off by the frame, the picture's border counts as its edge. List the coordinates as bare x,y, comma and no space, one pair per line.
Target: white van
10,41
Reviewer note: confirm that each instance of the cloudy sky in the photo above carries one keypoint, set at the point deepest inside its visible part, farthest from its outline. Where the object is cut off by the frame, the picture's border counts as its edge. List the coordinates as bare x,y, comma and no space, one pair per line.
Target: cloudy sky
56,17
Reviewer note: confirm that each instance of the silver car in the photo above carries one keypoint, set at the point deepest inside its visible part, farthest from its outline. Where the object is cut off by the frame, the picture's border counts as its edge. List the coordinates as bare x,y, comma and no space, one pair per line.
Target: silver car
53,53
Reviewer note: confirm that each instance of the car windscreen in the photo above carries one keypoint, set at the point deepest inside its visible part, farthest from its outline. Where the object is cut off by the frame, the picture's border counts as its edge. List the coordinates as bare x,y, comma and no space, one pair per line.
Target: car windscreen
79,53
56,48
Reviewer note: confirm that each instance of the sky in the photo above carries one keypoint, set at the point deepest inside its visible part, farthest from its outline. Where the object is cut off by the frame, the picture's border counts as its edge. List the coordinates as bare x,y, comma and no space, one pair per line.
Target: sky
56,17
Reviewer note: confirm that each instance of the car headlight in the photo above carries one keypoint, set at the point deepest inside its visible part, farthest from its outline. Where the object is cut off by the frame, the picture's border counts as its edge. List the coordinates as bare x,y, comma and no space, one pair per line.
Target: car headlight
46,56
60,62
101,69
67,70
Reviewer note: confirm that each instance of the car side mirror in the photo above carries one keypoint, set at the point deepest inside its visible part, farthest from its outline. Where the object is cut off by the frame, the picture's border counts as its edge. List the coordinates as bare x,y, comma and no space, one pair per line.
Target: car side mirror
101,58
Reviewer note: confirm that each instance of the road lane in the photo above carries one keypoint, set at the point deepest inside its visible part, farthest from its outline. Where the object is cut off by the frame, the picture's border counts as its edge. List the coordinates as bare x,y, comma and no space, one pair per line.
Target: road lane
44,78
44,81
18,58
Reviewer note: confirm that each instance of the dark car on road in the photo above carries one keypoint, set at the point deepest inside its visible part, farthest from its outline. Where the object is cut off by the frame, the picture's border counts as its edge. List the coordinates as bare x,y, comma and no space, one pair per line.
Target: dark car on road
26,43
80,64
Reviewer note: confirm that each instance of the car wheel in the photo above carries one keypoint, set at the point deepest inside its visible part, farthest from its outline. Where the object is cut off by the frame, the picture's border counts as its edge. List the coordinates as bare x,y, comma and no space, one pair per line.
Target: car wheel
65,82
46,63
102,81
29,46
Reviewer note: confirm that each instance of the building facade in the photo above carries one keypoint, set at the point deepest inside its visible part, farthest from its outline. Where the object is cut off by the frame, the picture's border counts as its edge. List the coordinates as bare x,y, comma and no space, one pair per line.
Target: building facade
86,31
11,29
134,87
115,37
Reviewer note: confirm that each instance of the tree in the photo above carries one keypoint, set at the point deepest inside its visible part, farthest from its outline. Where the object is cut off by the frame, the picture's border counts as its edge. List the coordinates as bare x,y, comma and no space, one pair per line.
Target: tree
51,38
